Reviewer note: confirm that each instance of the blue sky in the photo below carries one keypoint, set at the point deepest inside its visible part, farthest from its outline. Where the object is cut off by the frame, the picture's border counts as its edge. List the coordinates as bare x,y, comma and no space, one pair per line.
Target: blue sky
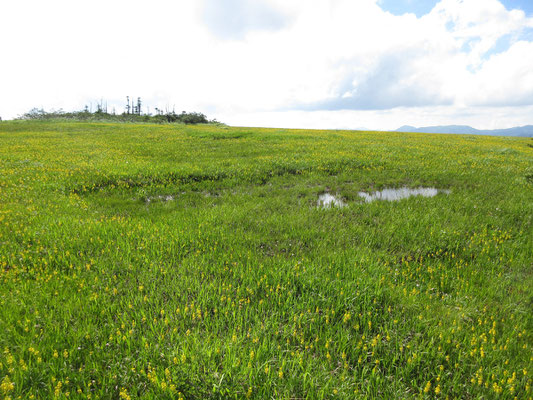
524,5
399,7
422,7
292,63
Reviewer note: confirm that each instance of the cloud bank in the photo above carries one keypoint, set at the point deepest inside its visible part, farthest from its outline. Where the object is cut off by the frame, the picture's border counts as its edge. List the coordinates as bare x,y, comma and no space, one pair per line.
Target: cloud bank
237,59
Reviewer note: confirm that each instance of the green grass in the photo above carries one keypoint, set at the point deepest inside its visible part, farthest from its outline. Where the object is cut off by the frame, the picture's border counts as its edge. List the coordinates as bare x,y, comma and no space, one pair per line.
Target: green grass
239,286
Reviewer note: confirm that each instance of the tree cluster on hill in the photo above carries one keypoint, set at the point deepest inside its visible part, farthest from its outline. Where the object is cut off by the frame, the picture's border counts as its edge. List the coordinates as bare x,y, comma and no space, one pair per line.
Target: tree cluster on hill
133,113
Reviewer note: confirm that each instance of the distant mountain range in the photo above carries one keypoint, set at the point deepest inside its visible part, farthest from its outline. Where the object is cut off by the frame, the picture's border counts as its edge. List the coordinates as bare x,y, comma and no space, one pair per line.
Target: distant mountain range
523,131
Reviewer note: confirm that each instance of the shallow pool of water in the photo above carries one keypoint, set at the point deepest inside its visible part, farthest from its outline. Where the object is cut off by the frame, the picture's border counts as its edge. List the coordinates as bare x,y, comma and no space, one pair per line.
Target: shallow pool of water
326,200
401,193
168,197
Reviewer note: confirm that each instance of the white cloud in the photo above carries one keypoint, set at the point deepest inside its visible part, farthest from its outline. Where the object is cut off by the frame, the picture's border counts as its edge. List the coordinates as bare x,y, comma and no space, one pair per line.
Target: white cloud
478,117
232,19
267,56
504,79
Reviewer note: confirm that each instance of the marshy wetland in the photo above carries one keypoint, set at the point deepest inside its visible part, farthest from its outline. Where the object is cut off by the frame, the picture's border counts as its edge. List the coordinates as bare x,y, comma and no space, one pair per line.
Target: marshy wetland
195,262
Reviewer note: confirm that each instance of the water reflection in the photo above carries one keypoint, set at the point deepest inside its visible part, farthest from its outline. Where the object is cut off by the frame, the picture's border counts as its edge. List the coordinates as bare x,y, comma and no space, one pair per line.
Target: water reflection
401,193
327,200
159,198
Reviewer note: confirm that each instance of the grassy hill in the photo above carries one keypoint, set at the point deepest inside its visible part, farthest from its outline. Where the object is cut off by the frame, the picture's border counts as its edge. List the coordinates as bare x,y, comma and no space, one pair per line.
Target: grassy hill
173,261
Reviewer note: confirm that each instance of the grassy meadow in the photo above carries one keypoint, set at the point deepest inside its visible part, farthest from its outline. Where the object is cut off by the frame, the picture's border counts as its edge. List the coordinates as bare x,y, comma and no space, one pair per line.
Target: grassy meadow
192,262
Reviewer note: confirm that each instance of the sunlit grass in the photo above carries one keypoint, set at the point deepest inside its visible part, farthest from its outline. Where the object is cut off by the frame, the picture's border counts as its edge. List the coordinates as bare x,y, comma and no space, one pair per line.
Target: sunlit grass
168,261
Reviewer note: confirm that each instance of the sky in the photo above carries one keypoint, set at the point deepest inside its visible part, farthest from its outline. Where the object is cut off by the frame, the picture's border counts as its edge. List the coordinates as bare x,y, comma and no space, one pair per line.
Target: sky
339,64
